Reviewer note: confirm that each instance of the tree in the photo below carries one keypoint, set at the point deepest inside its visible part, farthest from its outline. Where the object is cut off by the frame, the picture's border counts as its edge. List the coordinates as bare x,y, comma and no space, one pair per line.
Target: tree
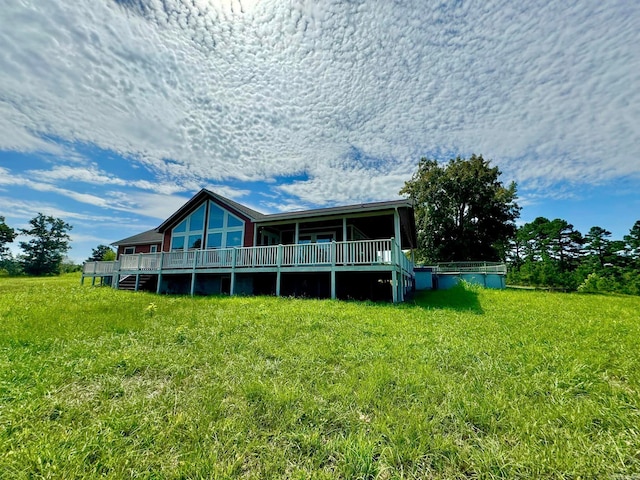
633,242
7,235
463,211
102,253
597,244
43,254
547,252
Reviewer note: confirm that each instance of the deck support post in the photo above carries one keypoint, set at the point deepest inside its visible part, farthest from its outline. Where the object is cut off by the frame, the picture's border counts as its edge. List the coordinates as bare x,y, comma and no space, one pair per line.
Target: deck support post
193,272
394,285
232,286
138,273
278,273
333,283
93,281
333,269
160,272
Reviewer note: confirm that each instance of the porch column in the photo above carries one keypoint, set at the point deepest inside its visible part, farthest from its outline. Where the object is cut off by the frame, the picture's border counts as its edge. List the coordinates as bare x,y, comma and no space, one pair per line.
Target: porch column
396,226
297,235
344,229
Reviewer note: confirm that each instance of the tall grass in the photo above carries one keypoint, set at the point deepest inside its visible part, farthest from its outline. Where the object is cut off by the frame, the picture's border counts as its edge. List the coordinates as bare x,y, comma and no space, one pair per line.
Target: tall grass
466,383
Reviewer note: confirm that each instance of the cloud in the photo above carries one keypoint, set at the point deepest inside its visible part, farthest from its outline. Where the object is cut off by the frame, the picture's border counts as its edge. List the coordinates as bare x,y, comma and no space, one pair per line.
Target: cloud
206,92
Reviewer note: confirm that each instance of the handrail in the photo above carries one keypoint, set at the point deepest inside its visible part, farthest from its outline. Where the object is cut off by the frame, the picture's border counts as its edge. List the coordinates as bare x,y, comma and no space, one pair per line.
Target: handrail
352,252
471,267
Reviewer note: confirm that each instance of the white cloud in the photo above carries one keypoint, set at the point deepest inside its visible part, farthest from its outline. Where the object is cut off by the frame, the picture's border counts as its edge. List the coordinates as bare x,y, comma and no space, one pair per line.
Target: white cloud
203,92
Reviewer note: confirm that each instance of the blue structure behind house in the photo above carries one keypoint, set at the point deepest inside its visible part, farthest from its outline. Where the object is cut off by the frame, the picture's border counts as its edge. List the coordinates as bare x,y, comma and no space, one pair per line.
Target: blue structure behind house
446,275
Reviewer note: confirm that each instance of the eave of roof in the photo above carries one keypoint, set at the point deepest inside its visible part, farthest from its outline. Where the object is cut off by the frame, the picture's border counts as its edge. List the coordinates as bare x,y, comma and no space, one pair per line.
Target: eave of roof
347,209
150,236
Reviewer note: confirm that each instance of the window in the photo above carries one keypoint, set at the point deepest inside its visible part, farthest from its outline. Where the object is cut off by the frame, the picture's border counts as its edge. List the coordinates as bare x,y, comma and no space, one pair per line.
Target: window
129,250
222,229
154,248
322,237
188,233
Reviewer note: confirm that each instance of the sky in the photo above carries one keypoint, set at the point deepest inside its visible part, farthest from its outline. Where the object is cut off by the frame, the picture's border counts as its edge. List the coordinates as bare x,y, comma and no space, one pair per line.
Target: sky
113,113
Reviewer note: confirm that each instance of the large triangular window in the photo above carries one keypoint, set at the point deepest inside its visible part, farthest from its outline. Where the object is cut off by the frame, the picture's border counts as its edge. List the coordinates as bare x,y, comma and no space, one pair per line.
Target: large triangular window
223,229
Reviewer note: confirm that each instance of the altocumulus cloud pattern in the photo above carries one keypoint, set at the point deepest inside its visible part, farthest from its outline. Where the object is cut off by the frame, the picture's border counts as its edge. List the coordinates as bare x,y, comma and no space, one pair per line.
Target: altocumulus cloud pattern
341,96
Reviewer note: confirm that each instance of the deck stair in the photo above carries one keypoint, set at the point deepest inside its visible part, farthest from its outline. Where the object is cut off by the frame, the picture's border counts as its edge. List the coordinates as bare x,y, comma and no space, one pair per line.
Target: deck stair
147,283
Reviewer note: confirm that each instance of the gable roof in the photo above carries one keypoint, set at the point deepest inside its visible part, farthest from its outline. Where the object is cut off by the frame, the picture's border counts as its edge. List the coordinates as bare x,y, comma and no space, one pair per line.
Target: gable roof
150,236
207,194
156,235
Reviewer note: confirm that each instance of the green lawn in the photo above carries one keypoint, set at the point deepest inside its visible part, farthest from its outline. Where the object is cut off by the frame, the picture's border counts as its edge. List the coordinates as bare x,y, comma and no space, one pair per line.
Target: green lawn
459,384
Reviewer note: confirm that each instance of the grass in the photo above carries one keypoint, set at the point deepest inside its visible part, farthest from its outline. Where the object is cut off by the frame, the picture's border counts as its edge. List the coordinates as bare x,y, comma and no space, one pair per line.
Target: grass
466,383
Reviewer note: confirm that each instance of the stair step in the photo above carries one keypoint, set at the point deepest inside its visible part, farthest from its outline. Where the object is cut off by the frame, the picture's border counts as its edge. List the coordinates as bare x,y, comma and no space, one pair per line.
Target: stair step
146,283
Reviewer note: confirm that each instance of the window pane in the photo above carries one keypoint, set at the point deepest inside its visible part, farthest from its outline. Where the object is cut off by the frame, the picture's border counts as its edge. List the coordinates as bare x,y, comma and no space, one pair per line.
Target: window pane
234,222
177,243
234,239
181,227
216,216
324,237
214,240
197,219
195,241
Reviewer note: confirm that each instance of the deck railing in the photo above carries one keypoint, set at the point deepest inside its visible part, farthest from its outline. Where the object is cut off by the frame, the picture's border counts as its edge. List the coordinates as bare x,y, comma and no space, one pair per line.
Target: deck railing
471,267
98,268
358,252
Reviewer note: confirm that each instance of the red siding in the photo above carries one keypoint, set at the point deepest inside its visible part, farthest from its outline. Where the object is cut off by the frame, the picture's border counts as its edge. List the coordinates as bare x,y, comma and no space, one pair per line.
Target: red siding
137,248
167,241
248,233
248,225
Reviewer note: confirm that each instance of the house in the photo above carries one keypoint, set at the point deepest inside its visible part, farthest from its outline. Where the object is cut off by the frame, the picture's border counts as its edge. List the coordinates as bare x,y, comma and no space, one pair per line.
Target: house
214,245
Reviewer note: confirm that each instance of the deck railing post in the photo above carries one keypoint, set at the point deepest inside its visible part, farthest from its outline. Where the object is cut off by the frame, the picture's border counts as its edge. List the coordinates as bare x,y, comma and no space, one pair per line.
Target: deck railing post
116,275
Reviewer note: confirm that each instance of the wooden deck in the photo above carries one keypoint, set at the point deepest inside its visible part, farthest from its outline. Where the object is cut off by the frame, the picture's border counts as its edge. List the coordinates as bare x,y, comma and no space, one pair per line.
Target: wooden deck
361,255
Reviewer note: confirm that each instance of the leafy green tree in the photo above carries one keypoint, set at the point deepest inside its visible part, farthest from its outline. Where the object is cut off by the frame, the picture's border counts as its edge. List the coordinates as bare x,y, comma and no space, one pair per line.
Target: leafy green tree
43,254
7,235
463,211
102,253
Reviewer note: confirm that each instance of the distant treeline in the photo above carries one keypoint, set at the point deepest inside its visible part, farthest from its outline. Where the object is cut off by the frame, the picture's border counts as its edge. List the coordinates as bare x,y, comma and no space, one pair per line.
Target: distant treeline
552,253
